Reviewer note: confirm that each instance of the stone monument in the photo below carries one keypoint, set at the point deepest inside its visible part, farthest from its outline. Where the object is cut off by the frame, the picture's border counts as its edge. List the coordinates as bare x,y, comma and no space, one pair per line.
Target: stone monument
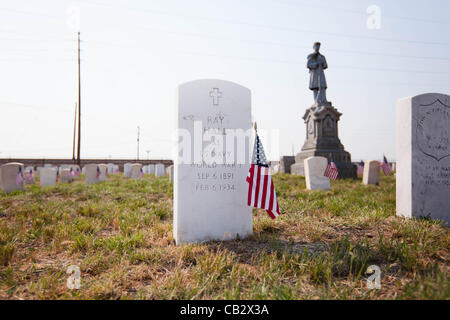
321,121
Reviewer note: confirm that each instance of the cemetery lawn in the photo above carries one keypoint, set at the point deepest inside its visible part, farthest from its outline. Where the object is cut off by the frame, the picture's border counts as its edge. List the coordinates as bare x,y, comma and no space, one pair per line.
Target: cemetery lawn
120,235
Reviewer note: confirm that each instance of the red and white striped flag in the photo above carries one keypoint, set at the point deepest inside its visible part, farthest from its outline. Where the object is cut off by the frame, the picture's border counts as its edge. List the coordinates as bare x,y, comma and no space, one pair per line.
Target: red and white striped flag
30,175
361,167
19,178
331,171
261,191
385,166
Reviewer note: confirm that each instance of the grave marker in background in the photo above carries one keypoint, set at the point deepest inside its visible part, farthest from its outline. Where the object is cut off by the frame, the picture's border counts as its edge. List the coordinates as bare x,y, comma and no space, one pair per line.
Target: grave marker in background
47,176
91,173
314,173
371,174
135,172
8,177
159,170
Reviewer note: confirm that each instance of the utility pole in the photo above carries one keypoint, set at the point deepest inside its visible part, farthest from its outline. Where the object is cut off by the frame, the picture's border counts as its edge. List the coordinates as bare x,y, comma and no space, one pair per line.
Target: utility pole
79,103
74,132
148,151
138,133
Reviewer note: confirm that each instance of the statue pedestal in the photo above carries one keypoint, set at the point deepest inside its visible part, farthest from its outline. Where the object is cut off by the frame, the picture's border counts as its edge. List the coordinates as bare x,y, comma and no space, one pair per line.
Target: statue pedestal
322,140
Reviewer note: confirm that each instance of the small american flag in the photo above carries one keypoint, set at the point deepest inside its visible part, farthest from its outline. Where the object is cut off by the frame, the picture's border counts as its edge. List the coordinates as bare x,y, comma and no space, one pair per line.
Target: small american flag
331,170
77,172
71,173
261,192
361,167
30,175
57,175
97,175
19,178
141,173
385,166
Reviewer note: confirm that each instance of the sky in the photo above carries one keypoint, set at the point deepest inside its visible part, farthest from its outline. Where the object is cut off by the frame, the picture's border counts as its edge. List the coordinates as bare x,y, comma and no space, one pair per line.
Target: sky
135,53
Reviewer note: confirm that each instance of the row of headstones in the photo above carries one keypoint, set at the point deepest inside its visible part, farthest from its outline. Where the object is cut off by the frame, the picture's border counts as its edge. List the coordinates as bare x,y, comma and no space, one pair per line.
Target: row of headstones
13,176
284,165
315,168
135,170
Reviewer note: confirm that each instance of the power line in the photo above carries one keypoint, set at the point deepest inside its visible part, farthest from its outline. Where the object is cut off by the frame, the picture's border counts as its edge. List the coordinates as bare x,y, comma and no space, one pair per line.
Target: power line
310,31
358,12
297,46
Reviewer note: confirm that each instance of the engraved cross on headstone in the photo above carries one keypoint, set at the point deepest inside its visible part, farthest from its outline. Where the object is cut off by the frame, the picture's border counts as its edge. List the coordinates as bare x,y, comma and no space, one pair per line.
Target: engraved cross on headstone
215,94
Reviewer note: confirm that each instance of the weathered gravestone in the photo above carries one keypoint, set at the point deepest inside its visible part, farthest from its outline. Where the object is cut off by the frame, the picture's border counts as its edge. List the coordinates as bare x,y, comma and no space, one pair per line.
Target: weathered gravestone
371,173
314,173
111,168
423,157
47,177
91,173
103,172
65,176
135,172
151,169
159,170
9,180
127,169
210,168
170,171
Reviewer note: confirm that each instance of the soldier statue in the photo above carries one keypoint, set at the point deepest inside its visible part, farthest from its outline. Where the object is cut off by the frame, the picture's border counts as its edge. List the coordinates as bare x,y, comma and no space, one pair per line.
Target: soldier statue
317,82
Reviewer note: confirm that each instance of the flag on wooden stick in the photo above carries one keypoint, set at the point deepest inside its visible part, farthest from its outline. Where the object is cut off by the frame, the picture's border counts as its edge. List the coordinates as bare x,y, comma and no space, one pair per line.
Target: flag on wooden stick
261,191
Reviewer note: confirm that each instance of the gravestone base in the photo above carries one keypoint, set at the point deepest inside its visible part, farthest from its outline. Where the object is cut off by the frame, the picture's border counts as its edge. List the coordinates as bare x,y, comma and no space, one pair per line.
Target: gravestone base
347,170
286,163
322,140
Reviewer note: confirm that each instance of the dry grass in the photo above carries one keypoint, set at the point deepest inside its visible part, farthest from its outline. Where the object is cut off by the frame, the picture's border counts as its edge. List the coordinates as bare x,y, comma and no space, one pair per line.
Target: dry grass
120,234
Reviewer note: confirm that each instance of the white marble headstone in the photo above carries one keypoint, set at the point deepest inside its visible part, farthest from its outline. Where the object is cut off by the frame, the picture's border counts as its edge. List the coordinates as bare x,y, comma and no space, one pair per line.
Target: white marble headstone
103,172
151,169
159,170
170,171
371,174
64,175
210,193
8,177
111,168
91,173
314,173
135,172
47,177
423,157
127,169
